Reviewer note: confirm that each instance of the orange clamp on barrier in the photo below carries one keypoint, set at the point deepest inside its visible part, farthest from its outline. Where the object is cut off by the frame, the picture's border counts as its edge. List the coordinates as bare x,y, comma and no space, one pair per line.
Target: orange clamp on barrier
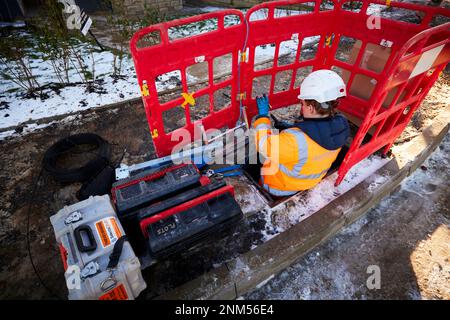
144,89
386,91
243,57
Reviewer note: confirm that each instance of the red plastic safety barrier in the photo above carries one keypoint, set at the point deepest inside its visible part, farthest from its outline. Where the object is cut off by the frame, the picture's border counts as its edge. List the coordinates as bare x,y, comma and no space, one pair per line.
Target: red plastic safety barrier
413,54
220,38
418,55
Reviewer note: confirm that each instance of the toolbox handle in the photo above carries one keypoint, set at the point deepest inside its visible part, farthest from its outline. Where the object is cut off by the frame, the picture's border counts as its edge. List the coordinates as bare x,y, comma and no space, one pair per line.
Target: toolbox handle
79,240
153,176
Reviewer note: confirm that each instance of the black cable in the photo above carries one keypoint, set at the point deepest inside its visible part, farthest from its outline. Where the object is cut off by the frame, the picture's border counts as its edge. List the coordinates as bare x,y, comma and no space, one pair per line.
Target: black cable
30,206
78,173
120,160
96,40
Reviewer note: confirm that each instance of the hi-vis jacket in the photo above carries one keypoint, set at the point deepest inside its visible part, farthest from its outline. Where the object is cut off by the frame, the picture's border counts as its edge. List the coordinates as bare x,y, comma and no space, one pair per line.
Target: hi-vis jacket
299,157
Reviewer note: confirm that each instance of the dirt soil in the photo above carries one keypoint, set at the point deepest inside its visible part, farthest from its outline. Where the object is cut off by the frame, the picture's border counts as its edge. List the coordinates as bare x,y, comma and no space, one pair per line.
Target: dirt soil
21,165
127,130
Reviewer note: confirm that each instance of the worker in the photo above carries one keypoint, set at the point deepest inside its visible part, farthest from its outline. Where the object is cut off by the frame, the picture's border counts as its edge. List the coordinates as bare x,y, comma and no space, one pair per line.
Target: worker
303,153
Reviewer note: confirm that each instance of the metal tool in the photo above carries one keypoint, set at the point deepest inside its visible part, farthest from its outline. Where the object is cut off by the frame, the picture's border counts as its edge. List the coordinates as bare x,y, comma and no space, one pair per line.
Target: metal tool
231,171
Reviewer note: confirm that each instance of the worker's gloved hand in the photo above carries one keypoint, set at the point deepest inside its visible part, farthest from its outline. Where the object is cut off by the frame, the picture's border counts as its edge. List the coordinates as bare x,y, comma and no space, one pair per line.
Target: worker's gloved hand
263,105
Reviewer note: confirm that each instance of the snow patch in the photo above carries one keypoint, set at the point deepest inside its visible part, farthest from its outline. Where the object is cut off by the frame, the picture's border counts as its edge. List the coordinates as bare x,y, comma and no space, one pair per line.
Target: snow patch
355,227
375,9
217,265
72,98
423,179
211,9
17,109
264,282
16,24
33,127
240,268
303,205
379,180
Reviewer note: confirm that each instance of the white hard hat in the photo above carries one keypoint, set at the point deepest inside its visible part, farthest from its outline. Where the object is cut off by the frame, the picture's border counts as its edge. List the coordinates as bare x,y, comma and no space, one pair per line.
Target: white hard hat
322,86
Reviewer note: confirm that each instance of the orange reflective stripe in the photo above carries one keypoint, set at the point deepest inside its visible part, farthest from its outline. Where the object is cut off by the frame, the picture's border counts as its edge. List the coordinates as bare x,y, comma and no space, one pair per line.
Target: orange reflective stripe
276,192
302,153
262,125
261,120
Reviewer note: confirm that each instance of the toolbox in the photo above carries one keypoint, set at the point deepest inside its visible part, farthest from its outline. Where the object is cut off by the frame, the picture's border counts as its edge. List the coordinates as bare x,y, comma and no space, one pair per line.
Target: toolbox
98,260
143,188
182,225
164,211
146,187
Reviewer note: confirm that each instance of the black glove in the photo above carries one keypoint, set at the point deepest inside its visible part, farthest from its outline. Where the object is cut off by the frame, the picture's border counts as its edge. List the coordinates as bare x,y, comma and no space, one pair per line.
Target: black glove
281,125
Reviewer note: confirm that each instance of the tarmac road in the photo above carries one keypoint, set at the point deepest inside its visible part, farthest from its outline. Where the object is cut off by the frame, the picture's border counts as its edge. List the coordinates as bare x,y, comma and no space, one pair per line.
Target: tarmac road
406,238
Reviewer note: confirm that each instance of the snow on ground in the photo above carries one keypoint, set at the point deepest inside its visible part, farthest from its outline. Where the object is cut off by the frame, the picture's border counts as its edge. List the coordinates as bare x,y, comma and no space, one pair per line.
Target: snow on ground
264,282
27,129
374,9
68,100
266,53
283,216
439,158
15,109
251,200
211,9
31,127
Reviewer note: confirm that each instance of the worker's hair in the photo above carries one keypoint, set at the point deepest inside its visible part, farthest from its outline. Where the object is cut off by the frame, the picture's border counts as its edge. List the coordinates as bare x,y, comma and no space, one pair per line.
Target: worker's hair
320,109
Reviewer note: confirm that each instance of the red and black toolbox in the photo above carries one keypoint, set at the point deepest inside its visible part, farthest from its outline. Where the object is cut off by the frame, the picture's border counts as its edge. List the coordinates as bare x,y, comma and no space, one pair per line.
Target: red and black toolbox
171,208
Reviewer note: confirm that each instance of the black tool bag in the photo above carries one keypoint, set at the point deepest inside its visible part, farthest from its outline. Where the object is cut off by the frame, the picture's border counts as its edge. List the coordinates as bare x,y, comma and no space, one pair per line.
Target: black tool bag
171,208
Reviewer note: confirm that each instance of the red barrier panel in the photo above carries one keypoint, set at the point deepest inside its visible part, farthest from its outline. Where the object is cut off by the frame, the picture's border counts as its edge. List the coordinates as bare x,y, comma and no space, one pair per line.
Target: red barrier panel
397,91
388,63
284,25
165,51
